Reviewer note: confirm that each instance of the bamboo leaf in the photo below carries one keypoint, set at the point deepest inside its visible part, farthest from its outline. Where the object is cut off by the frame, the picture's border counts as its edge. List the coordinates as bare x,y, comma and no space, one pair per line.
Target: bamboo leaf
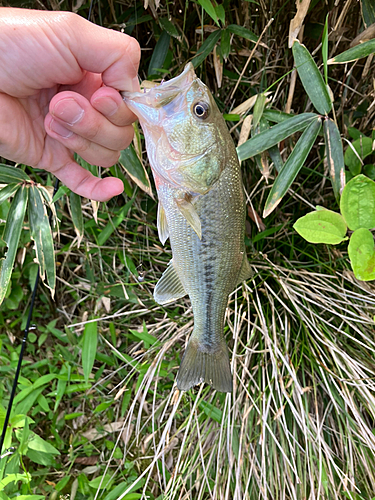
89,345
135,169
75,207
368,12
169,27
210,9
258,109
12,233
335,157
159,54
206,48
8,191
225,43
9,174
41,234
311,78
292,166
243,32
325,50
362,50
274,135
275,116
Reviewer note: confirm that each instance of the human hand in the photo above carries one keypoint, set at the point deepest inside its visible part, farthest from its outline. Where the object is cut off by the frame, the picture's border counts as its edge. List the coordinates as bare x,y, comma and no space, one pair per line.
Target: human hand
52,99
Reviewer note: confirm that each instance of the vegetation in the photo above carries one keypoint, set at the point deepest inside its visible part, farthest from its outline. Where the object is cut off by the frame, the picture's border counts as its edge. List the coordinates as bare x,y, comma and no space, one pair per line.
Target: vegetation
96,414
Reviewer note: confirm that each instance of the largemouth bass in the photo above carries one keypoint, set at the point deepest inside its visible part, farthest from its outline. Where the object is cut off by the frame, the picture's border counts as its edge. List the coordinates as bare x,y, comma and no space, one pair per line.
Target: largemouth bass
202,211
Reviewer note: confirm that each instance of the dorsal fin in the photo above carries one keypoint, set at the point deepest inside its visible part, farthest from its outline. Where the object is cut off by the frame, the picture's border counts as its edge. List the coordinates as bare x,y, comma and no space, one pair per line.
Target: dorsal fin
162,224
188,210
169,288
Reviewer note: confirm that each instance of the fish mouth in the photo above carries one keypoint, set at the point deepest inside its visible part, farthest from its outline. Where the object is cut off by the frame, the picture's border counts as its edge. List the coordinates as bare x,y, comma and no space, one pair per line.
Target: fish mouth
142,103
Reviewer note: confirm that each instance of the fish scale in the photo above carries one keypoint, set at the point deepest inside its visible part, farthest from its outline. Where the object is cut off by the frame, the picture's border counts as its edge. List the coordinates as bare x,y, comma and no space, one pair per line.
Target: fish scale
206,228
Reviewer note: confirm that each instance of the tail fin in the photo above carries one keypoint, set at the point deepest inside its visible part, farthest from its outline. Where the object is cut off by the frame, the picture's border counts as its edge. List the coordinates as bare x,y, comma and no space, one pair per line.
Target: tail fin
199,365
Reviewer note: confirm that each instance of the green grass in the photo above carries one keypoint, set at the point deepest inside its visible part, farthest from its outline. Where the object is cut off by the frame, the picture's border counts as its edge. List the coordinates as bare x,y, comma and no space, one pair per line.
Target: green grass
300,422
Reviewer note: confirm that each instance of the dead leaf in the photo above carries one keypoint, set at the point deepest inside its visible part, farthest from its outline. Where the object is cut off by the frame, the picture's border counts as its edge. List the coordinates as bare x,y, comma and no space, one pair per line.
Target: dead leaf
93,460
245,106
365,36
245,130
256,218
218,65
297,21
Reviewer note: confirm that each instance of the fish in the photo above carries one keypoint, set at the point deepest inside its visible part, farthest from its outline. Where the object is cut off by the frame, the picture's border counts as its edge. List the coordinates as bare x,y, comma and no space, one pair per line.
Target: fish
201,209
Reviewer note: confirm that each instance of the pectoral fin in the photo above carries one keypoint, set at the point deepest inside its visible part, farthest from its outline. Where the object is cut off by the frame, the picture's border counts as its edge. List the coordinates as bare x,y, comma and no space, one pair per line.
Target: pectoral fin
246,272
187,209
169,288
162,224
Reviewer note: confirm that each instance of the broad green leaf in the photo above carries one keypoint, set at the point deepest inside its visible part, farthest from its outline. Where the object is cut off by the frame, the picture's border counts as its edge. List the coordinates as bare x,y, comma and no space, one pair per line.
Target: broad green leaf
274,135
357,203
8,191
362,50
12,233
335,157
101,481
121,488
89,345
41,233
243,32
322,226
114,223
131,163
311,78
225,43
292,166
368,12
220,12
362,254
37,443
159,54
9,174
169,27
210,9
206,48
76,213
31,497
14,478
363,148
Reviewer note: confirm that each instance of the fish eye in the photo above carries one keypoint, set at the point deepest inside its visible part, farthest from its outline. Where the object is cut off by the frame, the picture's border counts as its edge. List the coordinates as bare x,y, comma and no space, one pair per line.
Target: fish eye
201,110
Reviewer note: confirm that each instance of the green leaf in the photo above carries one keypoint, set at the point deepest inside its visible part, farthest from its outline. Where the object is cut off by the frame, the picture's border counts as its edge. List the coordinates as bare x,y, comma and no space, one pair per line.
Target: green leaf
76,213
322,226
12,233
243,32
225,43
292,166
14,478
9,174
362,254
265,140
8,191
325,50
206,48
311,78
169,27
114,223
258,109
31,497
357,203
41,233
37,443
276,116
134,168
368,12
362,50
210,9
89,345
335,157
363,148
104,480
220,12
121,488
159,54
276,158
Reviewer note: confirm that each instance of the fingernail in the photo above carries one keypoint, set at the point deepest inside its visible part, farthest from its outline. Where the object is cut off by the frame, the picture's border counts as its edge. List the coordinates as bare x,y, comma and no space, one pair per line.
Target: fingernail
68,110
60,129
106,105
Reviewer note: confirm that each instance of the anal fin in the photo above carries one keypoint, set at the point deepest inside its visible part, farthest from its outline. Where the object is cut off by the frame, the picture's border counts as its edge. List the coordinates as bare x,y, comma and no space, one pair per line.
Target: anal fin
201,365
245,272
169,288
162,224
188,210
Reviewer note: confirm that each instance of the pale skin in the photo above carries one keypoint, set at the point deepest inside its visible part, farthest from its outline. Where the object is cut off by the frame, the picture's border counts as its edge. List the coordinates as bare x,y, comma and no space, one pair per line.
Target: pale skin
59,82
